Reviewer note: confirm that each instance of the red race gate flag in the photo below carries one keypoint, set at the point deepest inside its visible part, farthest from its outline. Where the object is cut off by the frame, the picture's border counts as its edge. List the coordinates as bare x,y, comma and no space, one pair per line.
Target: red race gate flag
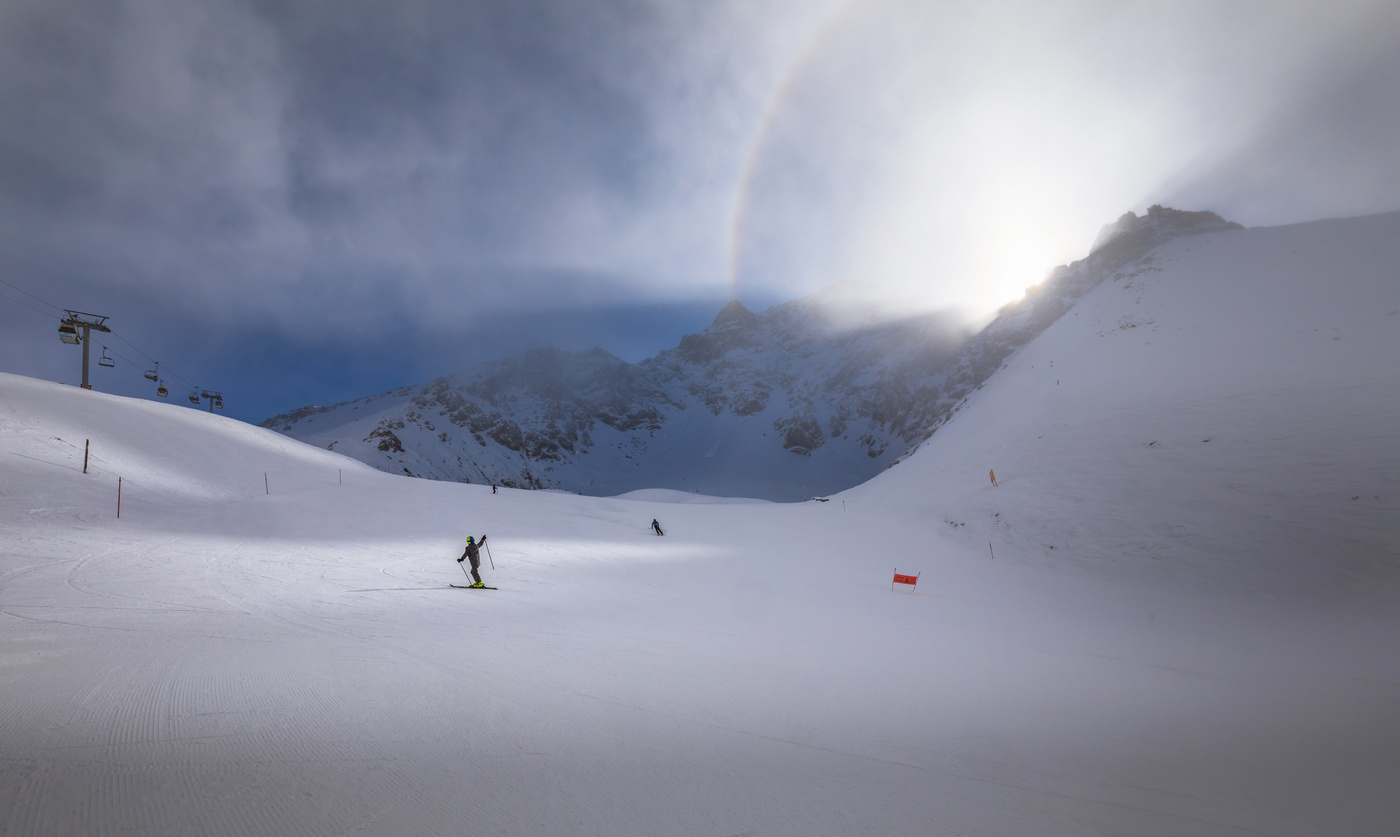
911,580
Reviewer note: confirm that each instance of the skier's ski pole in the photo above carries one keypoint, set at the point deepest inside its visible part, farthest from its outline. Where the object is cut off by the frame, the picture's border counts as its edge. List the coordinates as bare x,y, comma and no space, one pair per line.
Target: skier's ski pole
464,568
488,555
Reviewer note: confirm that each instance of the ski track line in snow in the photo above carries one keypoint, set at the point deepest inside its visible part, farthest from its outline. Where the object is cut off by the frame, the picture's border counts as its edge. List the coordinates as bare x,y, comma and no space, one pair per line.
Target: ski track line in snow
84,577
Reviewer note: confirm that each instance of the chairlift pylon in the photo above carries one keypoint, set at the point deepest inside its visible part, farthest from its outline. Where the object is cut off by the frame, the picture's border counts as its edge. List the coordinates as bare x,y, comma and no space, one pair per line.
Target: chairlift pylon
104,360
153,374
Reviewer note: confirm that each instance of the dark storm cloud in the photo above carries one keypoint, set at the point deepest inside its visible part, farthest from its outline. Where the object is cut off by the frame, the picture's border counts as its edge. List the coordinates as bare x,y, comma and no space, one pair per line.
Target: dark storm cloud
418,182
270,157
279,161
489,110
327,182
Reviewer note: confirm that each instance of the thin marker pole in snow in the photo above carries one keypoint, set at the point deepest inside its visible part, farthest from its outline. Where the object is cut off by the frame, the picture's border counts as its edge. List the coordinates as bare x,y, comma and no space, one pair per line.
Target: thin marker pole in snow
119,498
266,490
989,549
340,475
86,443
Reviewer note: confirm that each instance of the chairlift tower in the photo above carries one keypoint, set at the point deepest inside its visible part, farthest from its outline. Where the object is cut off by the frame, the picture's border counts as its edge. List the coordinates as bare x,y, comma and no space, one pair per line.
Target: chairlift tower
215,399
68,332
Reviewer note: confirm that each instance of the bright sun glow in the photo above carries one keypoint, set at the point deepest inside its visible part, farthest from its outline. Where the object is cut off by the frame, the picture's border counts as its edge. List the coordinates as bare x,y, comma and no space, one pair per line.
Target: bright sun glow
959,176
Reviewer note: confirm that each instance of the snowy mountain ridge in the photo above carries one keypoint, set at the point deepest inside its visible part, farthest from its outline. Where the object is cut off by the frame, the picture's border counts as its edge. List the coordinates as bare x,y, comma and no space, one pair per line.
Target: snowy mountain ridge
1224,409
1175,613
781,404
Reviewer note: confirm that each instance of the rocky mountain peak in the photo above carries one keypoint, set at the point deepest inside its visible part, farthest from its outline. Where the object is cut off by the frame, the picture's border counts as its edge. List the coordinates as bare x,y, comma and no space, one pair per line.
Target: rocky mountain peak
735,314
734,327
784,404
1135,234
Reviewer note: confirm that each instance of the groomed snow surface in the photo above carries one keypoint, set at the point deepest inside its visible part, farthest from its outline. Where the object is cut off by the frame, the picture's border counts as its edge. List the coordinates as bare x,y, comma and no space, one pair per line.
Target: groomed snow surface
1176,636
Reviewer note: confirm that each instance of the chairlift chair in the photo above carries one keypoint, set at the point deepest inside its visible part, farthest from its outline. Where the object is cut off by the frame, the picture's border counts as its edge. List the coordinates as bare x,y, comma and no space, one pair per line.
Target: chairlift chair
68,333
153,374
104,360
218,403
194,397
161,390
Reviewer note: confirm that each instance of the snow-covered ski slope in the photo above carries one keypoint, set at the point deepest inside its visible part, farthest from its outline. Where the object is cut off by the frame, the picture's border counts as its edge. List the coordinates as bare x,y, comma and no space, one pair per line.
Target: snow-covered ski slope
1227,409
1211,648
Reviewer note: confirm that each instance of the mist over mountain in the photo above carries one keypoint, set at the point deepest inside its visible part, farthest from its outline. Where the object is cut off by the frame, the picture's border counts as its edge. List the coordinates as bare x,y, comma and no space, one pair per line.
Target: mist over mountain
803,399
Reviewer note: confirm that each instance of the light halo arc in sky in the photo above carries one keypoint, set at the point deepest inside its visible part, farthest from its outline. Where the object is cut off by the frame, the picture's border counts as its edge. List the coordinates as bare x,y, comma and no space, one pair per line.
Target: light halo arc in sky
759,141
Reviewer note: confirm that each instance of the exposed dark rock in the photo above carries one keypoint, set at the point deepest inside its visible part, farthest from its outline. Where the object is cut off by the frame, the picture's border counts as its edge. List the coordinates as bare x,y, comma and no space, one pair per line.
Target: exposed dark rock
801,434
387,440
288,419
735,314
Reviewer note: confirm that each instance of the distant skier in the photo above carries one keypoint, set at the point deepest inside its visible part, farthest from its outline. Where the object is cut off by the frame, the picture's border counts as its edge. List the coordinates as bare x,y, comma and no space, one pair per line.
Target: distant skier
493,488
473,551
656,527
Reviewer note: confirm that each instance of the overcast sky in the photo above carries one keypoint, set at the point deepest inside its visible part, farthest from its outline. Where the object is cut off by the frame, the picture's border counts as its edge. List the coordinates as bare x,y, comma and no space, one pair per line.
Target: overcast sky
302,202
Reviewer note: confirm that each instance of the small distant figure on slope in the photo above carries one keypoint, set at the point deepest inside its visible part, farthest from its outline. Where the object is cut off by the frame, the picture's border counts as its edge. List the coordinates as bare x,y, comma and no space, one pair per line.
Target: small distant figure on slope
993,475
473,551
656,527
493,488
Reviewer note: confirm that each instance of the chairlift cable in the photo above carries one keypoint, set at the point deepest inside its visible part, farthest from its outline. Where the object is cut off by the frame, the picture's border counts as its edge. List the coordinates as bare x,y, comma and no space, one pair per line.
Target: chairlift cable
27,293
160,384
61,311
120,355
133,345
168,373
137,365
26,305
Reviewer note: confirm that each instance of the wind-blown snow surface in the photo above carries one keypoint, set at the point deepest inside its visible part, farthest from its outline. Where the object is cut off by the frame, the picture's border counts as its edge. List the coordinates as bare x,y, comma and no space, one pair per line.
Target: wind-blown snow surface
1230,410
1212,647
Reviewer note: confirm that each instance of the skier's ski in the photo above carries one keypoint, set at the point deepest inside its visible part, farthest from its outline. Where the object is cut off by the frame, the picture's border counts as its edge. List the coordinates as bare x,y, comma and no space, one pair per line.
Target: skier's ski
471,587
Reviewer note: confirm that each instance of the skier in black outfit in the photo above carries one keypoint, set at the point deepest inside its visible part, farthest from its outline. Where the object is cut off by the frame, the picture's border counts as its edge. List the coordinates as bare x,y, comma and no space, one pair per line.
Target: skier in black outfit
656,527
473,551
